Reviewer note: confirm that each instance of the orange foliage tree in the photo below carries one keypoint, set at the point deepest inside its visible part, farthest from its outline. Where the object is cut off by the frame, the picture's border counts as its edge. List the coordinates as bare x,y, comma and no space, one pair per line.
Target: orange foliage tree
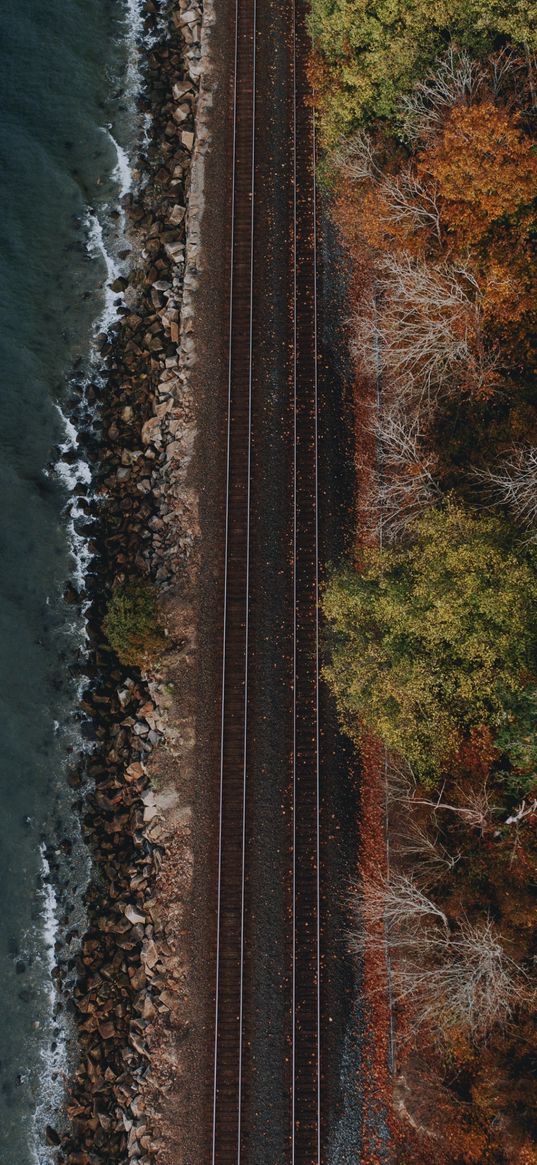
484,167
468,195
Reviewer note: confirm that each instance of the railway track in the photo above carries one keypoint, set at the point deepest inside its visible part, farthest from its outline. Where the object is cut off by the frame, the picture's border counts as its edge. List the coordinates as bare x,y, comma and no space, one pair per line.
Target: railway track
235,954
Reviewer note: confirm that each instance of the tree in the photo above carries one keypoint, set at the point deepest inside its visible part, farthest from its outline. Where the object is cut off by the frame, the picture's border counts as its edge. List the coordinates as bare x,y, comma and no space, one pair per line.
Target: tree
517,739
400,906
456,80
430,641
461,80
131,623
407,484
484,169
469,983
474,806
429,856
376,52
514,484
355,157
454,976
425,327
412,202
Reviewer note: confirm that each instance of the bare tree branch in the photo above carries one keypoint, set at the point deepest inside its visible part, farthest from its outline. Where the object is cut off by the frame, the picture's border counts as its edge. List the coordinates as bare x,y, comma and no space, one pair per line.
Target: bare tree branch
354,157
524,810
514,484
469,984
506,67
412,202
427,329
454,979
432,858
398,906
476,808
401,780
531,65
457,79
407,484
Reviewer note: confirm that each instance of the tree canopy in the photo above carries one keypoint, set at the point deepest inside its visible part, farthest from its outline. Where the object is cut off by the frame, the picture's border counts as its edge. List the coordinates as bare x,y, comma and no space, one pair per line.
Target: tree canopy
483,167
381,48
433,640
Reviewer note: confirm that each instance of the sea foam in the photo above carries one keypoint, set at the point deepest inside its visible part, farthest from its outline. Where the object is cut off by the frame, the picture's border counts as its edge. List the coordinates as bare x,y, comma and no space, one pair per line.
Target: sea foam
54,1055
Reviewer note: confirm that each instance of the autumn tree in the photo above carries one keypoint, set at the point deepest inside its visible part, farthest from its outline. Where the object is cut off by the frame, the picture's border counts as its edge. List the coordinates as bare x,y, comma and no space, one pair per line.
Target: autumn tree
407,484
466,197
467,983
458,79
455,975
401,906
484,168
430,641
423,847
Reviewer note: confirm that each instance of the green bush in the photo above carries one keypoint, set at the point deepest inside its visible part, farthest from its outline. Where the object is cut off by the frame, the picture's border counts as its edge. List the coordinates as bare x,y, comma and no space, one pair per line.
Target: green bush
431,641
131,623
374,50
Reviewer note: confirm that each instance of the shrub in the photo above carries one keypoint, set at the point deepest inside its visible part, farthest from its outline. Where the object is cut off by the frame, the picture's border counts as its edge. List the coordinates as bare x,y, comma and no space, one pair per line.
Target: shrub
427,643
131,623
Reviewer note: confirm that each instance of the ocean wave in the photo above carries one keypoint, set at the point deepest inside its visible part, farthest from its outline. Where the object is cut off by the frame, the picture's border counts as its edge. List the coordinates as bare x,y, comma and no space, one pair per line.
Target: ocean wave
73,470
134,36
139,41
104,243
123,178
53,1052
97,249
72,473
122,174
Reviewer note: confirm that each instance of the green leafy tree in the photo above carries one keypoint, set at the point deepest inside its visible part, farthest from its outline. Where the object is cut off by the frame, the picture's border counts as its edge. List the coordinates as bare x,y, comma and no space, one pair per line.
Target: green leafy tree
376,49
428,642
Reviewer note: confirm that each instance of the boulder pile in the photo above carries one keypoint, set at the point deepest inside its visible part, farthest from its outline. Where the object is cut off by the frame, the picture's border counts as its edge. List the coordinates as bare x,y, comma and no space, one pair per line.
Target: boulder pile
130,979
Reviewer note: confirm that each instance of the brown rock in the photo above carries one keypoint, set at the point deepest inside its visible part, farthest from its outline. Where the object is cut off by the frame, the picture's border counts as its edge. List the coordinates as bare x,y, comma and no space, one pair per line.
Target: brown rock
134,915
177,214
107,1031
134,771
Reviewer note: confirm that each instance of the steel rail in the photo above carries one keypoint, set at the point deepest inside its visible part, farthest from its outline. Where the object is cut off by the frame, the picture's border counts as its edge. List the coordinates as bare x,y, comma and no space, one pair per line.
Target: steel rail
224,621
247,591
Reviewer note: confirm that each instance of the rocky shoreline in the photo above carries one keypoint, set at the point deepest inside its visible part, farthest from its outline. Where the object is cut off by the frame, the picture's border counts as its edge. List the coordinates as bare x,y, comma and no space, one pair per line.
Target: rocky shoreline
131,1002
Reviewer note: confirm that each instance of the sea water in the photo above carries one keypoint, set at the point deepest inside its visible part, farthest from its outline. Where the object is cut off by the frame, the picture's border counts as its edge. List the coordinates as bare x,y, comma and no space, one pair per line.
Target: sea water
69,70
